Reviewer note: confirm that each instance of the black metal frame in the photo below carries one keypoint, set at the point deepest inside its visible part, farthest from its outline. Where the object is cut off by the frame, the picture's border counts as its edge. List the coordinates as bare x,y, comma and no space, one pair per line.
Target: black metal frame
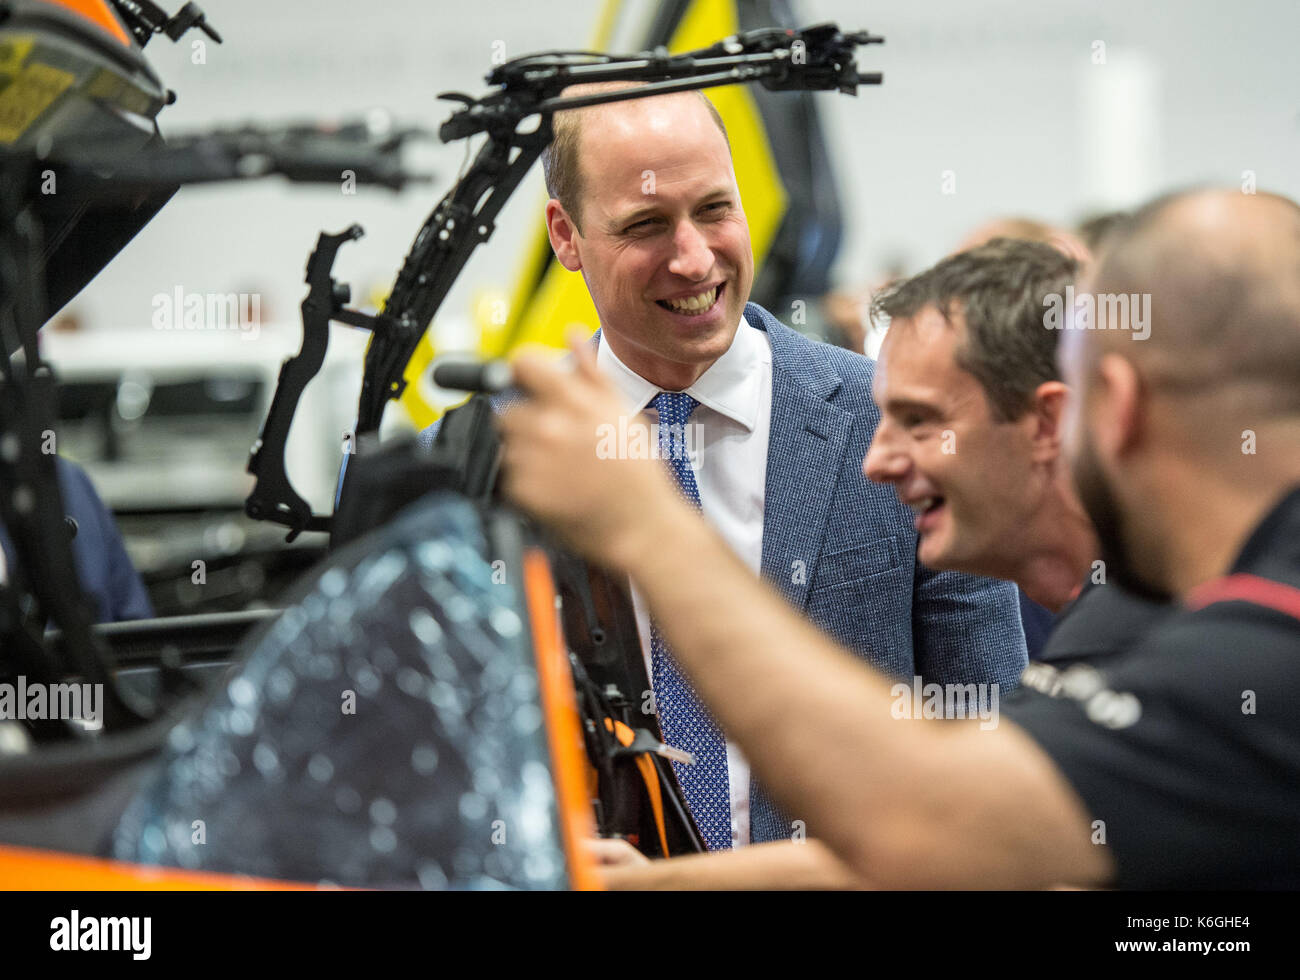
816,58
108,167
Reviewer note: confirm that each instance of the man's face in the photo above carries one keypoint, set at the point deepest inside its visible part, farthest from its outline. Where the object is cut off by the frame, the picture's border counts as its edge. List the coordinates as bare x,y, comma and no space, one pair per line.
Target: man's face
966,476
664,247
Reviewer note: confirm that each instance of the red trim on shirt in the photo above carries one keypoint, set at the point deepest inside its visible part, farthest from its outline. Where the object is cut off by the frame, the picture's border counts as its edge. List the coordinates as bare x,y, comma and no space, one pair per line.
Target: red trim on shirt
1247,588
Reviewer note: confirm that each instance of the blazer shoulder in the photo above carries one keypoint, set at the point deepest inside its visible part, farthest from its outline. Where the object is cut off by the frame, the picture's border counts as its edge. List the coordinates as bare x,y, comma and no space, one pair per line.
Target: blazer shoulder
811,362
500,402
849,364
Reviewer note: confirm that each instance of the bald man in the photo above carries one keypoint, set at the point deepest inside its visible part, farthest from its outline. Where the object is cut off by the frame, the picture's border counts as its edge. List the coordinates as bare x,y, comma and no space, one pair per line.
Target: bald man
1177,764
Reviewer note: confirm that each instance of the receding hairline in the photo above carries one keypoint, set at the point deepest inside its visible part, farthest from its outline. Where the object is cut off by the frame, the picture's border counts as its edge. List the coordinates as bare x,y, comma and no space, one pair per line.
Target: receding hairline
567,130
572,118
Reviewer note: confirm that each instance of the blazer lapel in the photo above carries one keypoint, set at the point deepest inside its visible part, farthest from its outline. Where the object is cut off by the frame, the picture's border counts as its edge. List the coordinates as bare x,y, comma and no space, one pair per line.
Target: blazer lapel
807,442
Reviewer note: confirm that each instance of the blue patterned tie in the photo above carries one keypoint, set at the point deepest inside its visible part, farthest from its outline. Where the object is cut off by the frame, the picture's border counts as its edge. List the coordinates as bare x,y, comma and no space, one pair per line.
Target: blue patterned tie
685,721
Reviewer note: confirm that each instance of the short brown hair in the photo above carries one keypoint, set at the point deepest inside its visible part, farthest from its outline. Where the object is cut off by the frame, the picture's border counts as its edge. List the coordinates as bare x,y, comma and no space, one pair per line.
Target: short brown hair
999,288
560,162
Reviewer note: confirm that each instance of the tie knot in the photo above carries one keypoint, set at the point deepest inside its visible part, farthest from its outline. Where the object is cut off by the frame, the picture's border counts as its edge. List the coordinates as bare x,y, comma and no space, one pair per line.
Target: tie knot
674,407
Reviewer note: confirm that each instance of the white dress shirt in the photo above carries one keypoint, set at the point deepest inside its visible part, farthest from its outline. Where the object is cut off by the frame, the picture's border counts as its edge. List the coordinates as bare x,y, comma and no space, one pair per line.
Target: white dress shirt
729,457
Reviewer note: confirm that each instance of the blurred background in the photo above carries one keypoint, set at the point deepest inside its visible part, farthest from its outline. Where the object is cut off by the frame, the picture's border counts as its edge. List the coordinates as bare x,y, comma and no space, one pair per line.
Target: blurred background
1056,113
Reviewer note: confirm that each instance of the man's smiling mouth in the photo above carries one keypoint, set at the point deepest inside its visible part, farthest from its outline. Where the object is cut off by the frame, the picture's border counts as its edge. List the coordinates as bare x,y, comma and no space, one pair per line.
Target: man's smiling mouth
925,511
694,305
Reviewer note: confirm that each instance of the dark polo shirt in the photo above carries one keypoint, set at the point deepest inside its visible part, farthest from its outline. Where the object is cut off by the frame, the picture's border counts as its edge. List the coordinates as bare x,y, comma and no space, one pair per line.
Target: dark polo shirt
1185,748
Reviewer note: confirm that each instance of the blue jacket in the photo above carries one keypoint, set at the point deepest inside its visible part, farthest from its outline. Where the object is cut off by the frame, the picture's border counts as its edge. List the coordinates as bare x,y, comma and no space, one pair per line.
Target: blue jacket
104,569
842,549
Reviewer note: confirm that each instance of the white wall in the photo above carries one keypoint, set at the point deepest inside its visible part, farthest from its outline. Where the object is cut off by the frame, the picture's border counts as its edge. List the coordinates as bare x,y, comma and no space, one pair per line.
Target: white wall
1002,93
1005,94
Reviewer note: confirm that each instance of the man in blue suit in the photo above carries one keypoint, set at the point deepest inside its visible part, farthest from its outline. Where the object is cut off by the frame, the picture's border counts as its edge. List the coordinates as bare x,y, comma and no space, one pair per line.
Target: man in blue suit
763,429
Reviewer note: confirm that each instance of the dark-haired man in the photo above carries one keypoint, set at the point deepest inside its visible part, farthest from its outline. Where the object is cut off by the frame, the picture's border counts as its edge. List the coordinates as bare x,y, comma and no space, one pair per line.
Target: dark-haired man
972,410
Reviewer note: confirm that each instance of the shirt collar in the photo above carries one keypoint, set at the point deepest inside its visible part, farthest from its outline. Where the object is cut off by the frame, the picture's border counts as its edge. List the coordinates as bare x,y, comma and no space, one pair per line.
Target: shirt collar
732,385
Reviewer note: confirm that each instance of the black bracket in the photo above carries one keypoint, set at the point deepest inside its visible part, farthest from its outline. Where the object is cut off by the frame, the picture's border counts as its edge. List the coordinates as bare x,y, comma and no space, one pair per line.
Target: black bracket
273,497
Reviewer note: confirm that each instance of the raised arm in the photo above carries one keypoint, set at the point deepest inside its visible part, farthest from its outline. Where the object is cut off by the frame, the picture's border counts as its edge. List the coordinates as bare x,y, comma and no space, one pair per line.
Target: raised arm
903,803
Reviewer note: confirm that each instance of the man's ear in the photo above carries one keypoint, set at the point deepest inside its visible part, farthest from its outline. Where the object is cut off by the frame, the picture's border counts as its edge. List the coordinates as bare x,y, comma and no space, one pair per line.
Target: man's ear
564,235
1048,412
1118,406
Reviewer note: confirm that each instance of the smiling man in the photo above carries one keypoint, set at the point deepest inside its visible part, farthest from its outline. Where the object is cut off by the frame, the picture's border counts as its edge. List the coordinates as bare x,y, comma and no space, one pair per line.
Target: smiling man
645,205
972,407
972,419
